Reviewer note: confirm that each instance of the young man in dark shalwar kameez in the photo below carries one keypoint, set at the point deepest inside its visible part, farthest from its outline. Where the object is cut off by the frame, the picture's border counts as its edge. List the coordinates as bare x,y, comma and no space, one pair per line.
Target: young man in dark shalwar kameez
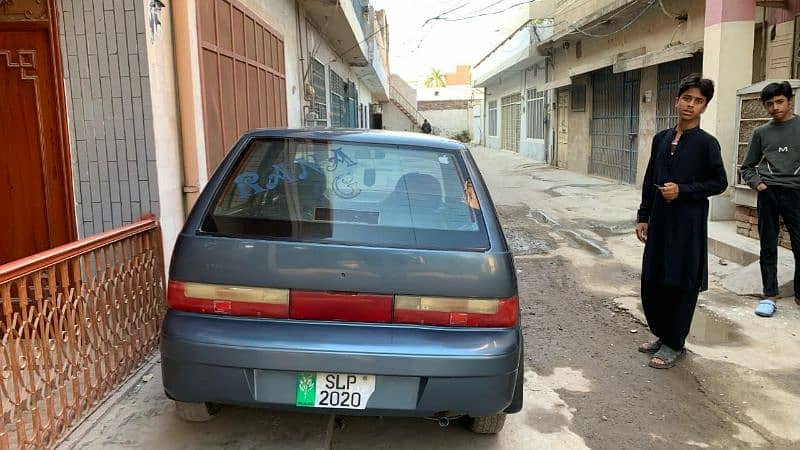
685,169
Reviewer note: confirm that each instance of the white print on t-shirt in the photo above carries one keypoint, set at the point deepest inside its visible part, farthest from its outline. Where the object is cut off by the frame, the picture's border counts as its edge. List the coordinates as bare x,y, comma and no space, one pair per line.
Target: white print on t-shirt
783,149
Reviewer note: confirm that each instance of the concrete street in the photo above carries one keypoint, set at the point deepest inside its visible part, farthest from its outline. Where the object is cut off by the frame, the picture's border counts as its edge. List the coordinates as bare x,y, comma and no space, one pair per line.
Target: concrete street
586,385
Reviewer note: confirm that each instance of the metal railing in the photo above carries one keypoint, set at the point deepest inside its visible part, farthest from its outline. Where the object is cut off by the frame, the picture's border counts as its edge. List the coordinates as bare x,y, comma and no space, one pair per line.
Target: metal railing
406,106
77,320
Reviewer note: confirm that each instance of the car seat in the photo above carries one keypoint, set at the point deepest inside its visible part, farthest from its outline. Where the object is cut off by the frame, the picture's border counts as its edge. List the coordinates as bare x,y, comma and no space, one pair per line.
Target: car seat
415,202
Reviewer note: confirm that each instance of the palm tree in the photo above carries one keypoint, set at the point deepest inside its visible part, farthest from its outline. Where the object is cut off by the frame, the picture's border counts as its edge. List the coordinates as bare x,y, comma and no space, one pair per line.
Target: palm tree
436,79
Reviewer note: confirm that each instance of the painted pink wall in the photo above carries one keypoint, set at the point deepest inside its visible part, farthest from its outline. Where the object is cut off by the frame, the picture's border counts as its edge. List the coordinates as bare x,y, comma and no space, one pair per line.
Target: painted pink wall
780,15
718,11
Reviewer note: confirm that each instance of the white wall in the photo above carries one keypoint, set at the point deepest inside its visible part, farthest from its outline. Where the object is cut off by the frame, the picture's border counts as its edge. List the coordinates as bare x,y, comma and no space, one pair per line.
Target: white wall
405,89
166,132
395,120
478,123
465,92
449,122
364,99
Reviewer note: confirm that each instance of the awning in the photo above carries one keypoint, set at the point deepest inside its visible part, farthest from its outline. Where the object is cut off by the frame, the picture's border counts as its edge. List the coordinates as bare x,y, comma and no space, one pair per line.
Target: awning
675,53
591,67
555,84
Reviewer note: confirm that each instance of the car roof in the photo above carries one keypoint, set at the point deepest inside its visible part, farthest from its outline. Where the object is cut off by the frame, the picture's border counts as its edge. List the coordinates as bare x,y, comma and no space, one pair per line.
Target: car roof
359,136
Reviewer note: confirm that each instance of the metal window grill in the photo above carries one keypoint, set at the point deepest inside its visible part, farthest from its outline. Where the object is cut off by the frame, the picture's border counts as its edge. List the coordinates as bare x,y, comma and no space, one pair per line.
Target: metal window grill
320,94
510,122
615,125
493,118
535,114
337,110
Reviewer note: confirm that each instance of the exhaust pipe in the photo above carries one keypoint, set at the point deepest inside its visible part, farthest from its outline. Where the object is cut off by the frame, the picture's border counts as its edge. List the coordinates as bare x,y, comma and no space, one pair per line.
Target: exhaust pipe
444,422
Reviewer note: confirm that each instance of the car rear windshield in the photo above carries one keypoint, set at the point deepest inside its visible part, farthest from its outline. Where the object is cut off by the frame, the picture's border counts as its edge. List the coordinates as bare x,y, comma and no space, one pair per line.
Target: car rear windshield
366,194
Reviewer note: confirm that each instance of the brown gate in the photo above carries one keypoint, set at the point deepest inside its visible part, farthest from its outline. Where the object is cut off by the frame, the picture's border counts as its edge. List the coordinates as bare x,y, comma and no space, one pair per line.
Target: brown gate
243,75
35,176
615,124
75,322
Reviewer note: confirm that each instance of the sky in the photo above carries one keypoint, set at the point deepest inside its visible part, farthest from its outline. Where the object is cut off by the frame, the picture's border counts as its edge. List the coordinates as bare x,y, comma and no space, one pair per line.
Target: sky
414,50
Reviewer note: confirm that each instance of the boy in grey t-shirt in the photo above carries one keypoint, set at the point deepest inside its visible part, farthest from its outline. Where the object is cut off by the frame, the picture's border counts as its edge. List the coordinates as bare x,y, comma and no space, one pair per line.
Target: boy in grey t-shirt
772,166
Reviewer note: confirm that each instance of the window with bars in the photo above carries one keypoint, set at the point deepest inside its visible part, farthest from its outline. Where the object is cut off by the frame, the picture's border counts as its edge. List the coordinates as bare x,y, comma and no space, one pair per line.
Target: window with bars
511,107
351,105
320,94
493,118
338,100
535,117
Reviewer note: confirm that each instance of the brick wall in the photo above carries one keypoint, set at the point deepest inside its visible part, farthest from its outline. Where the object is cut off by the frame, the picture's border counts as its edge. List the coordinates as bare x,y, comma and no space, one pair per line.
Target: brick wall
747,225
104,53
440,105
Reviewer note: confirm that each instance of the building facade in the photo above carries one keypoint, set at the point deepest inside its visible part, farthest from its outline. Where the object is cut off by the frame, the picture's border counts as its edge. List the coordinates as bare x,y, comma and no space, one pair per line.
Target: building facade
126,108
516,107
613,69
450,108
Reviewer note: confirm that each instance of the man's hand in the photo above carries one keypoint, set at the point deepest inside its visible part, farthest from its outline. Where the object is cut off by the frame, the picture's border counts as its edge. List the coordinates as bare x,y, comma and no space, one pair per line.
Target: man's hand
641,232
669,191
761,187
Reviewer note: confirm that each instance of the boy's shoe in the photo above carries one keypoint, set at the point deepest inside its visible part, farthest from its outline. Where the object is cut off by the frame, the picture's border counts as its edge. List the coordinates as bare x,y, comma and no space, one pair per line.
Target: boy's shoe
765,308
797,300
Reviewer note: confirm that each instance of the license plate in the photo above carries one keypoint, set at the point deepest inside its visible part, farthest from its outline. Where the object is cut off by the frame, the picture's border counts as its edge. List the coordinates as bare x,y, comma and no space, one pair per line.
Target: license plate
334,390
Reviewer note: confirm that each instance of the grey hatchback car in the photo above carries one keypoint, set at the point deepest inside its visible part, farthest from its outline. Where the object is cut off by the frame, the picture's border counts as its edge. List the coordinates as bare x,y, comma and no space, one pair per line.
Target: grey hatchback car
345,272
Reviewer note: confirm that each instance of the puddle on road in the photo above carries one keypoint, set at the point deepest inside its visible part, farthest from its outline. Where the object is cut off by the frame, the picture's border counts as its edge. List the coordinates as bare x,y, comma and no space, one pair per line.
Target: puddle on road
555,191
610,229
541,217
522,242
710,329
524,227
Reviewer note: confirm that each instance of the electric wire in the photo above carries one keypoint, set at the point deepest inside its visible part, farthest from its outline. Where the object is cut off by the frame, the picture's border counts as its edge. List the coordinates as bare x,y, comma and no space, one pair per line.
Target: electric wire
625,27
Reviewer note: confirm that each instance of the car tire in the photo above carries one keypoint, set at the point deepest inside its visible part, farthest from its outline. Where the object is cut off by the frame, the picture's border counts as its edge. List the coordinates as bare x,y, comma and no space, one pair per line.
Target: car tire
488,424
196,412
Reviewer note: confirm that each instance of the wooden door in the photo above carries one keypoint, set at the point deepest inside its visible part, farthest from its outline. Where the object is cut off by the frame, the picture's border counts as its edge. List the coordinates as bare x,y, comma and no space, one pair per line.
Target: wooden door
35,193
563,128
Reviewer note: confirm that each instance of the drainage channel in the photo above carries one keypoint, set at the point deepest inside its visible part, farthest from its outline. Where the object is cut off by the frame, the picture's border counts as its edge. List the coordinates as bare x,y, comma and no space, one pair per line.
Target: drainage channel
574,237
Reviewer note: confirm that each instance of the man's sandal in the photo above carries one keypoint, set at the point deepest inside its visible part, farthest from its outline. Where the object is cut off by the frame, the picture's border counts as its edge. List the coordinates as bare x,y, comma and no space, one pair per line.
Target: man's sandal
650,346
666,357
766,308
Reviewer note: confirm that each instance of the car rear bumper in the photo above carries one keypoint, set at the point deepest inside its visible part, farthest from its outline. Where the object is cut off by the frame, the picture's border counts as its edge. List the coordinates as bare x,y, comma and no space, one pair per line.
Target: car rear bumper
420,371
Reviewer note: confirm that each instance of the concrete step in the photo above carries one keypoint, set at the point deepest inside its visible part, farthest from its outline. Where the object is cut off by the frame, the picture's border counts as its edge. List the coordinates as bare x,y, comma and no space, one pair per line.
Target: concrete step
724,242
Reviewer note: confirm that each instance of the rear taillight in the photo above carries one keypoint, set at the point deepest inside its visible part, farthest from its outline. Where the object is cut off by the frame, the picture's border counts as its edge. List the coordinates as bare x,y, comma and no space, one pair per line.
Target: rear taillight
459,312
230,300
342,306
352,307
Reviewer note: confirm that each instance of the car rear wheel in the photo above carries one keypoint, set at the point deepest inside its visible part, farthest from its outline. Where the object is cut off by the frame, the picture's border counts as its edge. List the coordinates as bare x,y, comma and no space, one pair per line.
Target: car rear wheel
488,424
196,412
